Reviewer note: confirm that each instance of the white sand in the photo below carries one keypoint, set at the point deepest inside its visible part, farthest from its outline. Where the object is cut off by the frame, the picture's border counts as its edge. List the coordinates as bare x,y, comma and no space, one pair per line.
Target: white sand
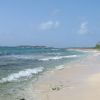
77,81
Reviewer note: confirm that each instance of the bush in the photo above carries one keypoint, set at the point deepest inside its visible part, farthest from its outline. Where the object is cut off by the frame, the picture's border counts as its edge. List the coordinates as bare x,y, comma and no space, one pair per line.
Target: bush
97,46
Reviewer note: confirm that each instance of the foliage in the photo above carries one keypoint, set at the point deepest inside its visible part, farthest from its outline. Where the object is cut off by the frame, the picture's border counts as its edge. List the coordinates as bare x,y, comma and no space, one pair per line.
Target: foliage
97,46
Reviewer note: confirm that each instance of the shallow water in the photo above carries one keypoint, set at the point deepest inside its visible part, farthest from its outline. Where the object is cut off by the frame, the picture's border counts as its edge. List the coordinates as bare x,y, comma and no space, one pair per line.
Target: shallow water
21,66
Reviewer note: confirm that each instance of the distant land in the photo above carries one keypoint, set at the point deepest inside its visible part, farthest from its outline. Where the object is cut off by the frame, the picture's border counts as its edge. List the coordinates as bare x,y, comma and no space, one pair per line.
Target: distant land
30,46
97,46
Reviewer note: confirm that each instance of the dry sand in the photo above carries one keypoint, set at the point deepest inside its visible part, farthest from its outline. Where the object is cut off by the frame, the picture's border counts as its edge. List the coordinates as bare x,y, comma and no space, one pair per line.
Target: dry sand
77,81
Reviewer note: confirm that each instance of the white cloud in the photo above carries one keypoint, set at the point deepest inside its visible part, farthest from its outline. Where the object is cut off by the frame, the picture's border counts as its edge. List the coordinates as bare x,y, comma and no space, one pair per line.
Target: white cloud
49,25
83,28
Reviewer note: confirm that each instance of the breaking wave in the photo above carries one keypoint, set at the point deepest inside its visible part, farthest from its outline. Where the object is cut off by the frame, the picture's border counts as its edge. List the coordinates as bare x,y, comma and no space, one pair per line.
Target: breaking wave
58,57
20,74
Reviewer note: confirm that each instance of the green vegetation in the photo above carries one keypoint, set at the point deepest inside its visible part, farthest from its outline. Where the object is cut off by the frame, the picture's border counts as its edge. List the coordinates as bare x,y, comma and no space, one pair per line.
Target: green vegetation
98,46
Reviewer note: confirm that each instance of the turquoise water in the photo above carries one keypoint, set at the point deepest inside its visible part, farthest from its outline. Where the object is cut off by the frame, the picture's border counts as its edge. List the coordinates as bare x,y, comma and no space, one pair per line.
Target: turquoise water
20,65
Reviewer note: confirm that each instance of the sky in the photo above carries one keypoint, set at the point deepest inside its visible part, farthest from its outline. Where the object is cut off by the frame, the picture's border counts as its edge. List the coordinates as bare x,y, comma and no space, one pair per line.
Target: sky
54,23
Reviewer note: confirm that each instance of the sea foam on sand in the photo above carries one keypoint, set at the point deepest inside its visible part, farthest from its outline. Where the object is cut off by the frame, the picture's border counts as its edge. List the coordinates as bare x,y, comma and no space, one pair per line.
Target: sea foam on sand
75,83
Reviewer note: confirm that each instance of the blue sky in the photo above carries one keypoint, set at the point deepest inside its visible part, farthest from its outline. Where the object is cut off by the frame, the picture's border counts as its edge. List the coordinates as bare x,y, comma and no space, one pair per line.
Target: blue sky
58,23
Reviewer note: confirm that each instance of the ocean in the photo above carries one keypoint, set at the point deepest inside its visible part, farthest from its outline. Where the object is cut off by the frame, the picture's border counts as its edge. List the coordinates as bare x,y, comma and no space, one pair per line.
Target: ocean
20,66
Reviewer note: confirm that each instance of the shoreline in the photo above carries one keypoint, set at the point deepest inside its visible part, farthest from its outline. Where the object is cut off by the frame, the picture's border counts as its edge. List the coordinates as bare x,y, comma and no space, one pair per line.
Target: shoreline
69,82
65,82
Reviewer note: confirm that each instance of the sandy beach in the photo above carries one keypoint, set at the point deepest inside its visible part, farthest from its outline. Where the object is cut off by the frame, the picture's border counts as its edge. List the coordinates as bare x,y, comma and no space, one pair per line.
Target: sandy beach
79,80
49,50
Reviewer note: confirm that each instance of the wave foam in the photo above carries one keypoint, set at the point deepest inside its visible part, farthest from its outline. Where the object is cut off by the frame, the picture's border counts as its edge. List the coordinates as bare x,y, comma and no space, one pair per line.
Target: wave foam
58,57
60,67
53,53
23,56
20,74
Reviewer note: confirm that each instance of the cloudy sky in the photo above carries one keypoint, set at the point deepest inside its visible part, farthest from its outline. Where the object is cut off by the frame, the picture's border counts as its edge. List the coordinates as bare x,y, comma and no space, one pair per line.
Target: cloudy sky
58,23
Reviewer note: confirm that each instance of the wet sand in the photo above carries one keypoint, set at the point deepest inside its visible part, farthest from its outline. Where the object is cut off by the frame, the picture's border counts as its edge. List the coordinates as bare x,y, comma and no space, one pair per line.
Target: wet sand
77,81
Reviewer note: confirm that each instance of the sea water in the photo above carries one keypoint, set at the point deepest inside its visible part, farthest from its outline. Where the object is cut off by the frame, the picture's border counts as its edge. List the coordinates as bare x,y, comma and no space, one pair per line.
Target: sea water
21,65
